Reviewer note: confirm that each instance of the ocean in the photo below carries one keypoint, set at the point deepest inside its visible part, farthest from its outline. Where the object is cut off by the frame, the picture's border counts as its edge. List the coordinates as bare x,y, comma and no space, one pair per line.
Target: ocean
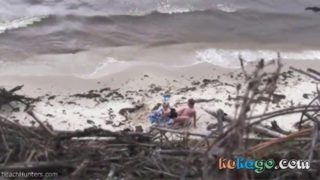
60,36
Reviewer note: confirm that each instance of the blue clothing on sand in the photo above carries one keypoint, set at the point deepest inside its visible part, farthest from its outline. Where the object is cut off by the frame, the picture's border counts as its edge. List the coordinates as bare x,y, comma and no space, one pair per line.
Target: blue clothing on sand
156,117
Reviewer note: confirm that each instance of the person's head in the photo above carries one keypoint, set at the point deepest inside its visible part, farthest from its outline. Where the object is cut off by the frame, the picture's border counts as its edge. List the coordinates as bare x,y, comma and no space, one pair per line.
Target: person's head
191,103
165,105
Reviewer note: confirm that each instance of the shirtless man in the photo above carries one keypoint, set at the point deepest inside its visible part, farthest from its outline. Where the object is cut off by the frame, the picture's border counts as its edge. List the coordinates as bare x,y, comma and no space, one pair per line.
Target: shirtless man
186,114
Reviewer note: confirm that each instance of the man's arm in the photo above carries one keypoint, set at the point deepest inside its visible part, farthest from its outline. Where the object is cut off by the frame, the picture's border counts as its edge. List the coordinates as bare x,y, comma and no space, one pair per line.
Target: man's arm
180,111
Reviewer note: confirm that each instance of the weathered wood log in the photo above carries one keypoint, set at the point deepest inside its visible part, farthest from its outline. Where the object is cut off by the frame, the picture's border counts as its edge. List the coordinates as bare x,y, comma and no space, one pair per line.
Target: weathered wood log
95,132
46,128
266,132
77,173
242,67
305,73
181,132
257,128
314,71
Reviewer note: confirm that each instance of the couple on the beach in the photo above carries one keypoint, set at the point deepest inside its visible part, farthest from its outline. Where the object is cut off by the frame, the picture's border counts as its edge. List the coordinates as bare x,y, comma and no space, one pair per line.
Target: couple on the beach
165,115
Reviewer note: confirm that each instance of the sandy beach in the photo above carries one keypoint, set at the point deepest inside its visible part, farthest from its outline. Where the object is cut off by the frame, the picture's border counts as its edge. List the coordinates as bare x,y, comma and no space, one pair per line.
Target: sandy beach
73,103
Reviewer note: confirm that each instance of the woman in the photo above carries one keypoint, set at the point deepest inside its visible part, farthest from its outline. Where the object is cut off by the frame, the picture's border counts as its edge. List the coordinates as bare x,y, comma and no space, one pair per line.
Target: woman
161,114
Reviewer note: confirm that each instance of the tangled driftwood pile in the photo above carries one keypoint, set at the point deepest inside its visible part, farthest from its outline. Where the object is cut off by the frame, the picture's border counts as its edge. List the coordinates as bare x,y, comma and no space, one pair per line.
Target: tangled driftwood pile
167,153
8,96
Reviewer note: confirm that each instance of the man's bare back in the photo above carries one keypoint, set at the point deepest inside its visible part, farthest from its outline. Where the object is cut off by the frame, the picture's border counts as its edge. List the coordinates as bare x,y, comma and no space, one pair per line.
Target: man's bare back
185,114
188,112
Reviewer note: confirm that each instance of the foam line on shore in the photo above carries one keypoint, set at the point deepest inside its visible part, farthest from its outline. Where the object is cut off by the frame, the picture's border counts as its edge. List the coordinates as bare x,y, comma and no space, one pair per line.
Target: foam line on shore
230,58
20,23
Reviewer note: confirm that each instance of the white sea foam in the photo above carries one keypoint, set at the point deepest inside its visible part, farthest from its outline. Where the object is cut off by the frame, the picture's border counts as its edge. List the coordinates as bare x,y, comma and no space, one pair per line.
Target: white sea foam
230,58
174,10
101,68
19,23
227,8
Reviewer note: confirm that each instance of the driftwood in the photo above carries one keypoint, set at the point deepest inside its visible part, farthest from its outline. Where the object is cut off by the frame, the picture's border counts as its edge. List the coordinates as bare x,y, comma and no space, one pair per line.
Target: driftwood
8,96
275,127
315,77
242,67
222,117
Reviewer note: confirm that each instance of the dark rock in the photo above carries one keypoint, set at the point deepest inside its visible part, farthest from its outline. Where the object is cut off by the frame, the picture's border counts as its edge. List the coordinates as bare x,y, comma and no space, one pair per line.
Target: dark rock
132,92
228,84
154,88
71,103
49,115
90,121
105,89
206,82
139,129
186,89
306,96
314,9
92,91
158,88
211,126
90,95
115,95
16,109
195,83
32,122
277,98
108,122
126,130
51,97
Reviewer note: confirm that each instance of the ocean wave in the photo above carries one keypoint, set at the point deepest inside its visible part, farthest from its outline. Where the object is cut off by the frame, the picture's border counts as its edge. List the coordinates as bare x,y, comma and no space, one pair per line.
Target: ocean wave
20,23
230,58
227,8
29,8
172,11
101,68
98,17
